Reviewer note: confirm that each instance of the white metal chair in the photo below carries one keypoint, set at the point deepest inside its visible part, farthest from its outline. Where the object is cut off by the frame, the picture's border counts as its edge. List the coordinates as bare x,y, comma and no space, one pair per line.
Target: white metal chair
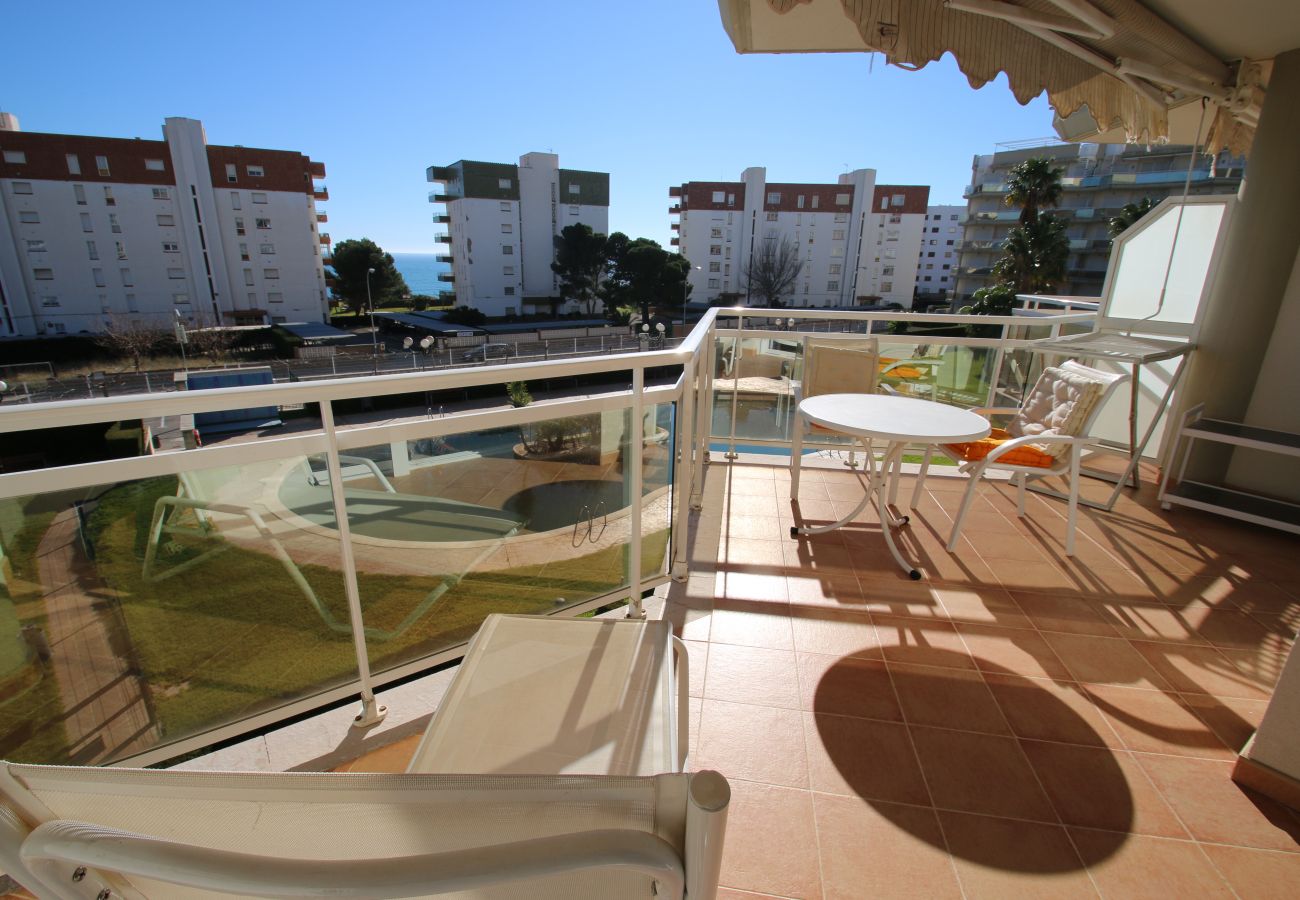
71,832
1044,437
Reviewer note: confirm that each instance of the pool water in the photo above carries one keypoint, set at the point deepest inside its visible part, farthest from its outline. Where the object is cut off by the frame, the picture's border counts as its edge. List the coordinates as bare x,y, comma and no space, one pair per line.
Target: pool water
558,504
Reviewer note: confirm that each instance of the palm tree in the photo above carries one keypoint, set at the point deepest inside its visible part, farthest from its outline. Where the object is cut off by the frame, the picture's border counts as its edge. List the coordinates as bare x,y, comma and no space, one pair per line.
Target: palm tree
1034,256
1032,185
1129,213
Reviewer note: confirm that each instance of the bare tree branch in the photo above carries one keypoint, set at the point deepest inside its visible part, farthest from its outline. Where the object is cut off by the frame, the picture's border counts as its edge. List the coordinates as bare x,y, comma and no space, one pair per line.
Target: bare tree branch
772,270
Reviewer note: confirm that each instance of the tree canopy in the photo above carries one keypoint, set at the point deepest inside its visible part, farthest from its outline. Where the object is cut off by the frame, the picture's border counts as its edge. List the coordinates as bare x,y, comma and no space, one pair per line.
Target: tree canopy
641,273
1034,256
581,261
1128,215
773,269
1033,185
352,259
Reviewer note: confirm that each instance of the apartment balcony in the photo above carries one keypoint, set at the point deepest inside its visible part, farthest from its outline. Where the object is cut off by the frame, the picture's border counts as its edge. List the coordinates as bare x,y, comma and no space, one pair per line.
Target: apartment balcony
325,238
447,296
676,226
675,191
327,260
442,238
439,173
873,728
316,169
675,241
675,209
443,258
322,218
447,277
441,219
439,197
321,194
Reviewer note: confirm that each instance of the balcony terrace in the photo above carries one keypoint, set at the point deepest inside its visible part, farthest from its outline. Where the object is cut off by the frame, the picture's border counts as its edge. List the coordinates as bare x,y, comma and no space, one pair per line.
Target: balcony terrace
1018,723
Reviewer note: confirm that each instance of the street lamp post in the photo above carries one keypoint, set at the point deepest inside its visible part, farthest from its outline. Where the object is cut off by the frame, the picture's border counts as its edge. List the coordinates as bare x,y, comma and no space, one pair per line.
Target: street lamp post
374,335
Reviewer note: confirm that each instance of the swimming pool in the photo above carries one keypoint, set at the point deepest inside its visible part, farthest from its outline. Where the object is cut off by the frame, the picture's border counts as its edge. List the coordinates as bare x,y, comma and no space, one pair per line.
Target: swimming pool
558,504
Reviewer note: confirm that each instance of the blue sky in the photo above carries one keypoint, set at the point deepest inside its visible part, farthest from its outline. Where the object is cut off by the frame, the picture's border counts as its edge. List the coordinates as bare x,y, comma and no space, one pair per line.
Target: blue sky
652,93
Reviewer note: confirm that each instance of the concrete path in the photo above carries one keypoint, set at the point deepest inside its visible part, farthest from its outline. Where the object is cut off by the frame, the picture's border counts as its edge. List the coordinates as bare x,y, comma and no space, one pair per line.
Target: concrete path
106,714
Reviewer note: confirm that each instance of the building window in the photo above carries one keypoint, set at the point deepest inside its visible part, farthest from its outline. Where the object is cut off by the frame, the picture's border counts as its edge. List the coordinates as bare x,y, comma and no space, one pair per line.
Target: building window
714,283
86,224
175,273
74,164
248,277
181,299
884,203
43,274
837,234
574,210
575,189
171,247
79,191
155,165
274,297
927,278
131,304
266,249
799,201
262,223
728,253
949,243
886,286
726,270
113,225
165,220
160,194
234,200
771,217
832,285
507,270
934,230
232,173
504,183
887,271
29,217
507,249
510,291
715,267
17,157
773,199
243,252
930,254
101,165
121,249
715,233
108,196
953,218
239,226
719,196
505,206
837,252
715,250
22,187
127,280
259,197
270,274
91,250
835,269
507,228
841,199
946,268
254,171
99,277
891,254
49,301
841,217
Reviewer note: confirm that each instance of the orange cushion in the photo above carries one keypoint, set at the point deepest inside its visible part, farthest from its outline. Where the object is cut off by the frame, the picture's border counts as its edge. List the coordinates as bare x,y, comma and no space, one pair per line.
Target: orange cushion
1026,455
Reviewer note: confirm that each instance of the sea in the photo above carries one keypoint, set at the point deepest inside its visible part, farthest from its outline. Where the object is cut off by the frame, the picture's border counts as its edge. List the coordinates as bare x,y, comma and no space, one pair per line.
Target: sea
421,272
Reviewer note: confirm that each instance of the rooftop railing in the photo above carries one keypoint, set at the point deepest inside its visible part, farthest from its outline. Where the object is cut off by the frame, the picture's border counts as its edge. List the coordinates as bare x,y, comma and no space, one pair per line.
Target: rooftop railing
152,605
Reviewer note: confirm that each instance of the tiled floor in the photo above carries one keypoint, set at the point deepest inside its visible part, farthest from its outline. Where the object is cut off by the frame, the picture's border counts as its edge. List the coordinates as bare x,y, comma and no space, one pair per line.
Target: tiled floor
1018,724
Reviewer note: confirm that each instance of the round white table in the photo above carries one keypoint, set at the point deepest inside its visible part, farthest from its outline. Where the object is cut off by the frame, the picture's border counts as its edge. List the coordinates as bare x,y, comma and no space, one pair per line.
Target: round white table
899,421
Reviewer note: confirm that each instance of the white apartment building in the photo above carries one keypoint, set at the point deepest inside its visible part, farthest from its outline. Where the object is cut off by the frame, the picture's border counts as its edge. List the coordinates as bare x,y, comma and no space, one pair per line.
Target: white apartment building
96,230
859,241
936,269
502,221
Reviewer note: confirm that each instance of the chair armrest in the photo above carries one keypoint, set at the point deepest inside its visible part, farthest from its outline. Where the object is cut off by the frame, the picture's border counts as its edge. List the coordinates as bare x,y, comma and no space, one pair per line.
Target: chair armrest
683,676
1012,444
995,411
55,845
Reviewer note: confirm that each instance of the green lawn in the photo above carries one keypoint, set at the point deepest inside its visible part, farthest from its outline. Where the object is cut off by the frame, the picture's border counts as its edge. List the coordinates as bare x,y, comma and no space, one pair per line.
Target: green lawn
234,635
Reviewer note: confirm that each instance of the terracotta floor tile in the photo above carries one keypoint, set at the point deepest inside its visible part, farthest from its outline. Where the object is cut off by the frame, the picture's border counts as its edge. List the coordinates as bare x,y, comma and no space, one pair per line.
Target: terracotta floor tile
752,586
1257,873
1095,787
1151,621
752,675
1063,612
1042,709
735,551
1147,867
1032,576
1012,650
1099,660
1232,719
697,664
765,505
769,629
815,510
1157,722
1000,858
925,642
832,591
1200,670
834,632
947,698
847,686
752,487
980,773
1260,667
981,605
756,743
767,528
888,594
863,758
1214,808
882,850
1003,545
730,894
817,556
771,843
391,758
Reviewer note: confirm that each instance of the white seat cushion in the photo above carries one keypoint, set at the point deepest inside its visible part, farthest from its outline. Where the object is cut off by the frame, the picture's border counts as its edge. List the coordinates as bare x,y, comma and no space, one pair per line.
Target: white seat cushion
1060,402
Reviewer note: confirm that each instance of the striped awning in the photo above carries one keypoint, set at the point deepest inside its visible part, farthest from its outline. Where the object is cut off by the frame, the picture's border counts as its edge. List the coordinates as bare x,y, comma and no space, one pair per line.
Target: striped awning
1126,65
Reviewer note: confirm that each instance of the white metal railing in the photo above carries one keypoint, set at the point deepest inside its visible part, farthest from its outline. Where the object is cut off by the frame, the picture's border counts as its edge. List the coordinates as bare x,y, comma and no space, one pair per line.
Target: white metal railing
692,392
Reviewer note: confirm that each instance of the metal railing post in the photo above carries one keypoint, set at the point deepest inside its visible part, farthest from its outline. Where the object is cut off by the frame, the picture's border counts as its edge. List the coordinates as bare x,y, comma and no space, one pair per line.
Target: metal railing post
636,452
737,348
991,398
684,471
371,712
704,413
